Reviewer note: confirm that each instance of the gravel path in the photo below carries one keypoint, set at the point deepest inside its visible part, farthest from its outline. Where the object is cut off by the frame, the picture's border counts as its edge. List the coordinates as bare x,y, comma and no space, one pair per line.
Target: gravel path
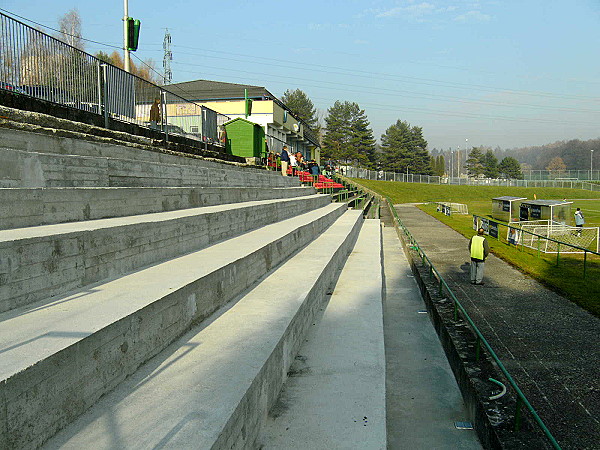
548,344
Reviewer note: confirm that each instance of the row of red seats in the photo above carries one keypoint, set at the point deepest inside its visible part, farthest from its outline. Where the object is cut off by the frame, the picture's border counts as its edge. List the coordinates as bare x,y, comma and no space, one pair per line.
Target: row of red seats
321,183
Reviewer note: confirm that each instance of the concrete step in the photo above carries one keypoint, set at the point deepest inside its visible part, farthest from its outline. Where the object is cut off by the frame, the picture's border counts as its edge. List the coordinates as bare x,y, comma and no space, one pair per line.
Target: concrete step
22,169
40,262
335,394
32,142
43,206
60,143
213,388
58,358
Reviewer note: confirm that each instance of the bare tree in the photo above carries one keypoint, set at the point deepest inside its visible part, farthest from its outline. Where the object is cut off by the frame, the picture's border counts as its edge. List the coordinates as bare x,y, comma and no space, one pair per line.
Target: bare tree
70,29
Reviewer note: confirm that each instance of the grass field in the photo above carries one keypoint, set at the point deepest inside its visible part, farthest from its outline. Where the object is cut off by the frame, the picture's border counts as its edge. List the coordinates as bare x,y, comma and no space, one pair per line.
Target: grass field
566,278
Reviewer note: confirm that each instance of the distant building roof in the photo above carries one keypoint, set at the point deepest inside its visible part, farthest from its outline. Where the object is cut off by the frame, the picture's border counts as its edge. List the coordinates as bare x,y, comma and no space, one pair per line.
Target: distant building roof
509,198
205,90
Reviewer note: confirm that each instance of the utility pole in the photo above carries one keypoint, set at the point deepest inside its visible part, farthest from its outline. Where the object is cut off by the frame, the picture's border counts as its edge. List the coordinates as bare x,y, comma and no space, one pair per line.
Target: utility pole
167,58
126,55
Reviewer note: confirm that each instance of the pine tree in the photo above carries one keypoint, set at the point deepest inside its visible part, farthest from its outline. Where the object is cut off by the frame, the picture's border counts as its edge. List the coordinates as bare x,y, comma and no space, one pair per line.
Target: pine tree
348,136
302,107
490,165
440,165
404,147
510,168
474,163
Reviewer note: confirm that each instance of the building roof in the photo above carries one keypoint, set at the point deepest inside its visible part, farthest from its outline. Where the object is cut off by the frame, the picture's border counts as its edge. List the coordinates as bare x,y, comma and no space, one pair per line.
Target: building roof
509,198
205,90
238,119
547,202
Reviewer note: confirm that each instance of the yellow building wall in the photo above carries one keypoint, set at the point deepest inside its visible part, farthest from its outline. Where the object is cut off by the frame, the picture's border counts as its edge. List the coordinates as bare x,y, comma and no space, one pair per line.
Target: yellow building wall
237,106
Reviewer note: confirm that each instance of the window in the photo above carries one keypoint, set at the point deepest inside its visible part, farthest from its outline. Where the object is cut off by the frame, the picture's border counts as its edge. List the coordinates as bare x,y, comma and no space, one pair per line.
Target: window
193,129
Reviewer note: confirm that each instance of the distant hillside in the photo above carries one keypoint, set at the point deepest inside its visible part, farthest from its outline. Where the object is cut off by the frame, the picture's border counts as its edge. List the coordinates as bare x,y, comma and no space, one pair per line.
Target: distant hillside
574,153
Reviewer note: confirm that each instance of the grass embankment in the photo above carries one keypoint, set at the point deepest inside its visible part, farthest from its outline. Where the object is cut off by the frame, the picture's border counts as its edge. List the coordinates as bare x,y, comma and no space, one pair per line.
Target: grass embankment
566,278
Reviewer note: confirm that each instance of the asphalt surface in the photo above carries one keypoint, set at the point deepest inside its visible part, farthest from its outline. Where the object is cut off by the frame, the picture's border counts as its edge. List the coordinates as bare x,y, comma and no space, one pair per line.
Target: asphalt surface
549,345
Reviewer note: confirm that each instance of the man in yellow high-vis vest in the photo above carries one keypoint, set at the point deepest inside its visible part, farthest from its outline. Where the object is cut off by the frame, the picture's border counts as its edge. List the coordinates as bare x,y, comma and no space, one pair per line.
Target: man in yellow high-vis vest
479,248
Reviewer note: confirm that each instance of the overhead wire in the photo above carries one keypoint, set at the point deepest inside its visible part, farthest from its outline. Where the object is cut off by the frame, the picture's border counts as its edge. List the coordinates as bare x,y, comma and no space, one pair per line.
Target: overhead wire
448,113
411,94
402,93
352,72
417,80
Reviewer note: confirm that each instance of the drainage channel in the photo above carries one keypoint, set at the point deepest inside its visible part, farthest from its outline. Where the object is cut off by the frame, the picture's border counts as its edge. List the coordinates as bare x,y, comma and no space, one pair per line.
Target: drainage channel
424,406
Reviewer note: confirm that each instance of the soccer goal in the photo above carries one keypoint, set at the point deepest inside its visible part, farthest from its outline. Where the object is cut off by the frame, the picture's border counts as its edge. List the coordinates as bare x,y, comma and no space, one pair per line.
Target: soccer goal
587,237
455,208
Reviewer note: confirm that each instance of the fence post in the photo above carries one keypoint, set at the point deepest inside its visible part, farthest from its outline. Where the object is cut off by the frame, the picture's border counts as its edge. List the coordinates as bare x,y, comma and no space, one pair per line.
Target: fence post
518,414
163,96
584,263
98,66
105,92
557,253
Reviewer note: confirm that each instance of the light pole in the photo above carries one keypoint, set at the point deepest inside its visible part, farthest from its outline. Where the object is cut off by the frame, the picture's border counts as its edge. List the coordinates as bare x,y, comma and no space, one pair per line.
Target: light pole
126,54
591,164
466,154
452,164
458,162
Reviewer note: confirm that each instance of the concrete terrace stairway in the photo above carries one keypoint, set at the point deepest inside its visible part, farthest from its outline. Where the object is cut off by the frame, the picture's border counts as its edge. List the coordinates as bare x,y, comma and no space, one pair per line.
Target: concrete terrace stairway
151,300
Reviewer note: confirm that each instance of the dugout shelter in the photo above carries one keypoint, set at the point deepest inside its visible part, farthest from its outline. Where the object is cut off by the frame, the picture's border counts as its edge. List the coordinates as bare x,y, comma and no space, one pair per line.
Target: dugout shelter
506,208
557,211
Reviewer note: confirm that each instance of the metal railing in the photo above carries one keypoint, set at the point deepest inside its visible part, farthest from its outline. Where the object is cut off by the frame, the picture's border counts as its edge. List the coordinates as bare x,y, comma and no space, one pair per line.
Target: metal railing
357,197
37,65
515,235
481,341
355,172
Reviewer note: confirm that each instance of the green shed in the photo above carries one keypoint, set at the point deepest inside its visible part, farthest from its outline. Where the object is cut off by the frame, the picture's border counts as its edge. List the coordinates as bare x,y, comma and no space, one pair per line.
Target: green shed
245,138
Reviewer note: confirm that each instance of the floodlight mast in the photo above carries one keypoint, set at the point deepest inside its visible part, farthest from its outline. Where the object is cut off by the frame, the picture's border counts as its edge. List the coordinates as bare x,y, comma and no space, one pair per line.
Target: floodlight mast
126,54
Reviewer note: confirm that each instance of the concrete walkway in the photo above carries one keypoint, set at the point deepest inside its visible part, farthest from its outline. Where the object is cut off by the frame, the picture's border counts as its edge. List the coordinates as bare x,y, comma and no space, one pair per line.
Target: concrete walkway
334,397
548,344
422,397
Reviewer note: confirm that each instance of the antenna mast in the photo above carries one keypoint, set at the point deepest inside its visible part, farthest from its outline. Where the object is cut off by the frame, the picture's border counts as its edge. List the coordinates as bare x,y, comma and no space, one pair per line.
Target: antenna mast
168,75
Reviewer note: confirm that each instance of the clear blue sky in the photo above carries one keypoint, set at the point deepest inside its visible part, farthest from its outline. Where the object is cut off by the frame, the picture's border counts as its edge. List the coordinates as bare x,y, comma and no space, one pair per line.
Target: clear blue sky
499,73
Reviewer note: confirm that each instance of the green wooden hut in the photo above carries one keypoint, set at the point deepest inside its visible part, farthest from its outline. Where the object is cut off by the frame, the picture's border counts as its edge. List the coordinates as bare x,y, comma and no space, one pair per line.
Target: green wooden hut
245,138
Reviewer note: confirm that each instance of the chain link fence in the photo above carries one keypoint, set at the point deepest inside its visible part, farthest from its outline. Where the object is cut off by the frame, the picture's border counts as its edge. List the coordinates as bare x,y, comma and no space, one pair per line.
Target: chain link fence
355,172
43,67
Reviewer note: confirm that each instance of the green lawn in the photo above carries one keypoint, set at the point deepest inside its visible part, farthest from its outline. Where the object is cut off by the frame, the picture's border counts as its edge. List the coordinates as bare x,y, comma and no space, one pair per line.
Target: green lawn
566,278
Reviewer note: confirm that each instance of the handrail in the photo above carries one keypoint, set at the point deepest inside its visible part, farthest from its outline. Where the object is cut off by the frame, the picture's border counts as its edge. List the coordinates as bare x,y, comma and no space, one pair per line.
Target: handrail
358,193
521,399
